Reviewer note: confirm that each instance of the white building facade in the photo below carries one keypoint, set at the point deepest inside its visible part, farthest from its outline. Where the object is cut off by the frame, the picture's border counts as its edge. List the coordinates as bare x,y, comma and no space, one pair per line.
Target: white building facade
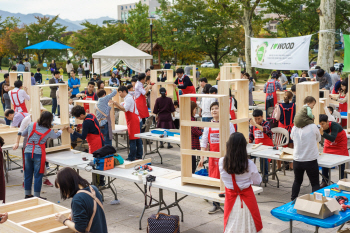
123,10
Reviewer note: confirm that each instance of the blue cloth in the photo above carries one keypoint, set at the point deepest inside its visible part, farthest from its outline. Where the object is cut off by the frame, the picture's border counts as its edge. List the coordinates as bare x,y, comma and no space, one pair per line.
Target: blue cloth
21,67
32,81
72,82
32,167
207,119
38,77
287,212
105,133
343,113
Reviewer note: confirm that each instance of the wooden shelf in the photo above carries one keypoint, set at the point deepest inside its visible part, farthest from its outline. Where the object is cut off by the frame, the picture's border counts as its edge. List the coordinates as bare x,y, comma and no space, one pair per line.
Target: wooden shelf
201,153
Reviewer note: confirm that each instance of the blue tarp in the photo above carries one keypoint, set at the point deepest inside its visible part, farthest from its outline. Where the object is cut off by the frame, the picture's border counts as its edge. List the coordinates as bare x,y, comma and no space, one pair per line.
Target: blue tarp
48,44
287,212
162,132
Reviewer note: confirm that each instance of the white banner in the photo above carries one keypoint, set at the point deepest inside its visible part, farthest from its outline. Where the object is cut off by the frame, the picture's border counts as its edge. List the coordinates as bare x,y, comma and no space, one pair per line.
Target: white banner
290,53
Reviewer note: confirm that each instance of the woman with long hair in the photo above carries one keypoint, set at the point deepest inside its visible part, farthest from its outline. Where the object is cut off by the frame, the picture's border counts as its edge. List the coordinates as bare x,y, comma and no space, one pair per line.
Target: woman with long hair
343,96
87,209
34,153
164,109
100,85
238,173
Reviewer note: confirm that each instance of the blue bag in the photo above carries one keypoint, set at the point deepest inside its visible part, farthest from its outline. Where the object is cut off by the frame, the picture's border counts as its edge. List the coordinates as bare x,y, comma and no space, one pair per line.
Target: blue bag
104,163
202,172
118,160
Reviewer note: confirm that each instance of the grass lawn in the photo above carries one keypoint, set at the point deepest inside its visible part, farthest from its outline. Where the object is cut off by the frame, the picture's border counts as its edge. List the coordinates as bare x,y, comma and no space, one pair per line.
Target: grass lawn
46,75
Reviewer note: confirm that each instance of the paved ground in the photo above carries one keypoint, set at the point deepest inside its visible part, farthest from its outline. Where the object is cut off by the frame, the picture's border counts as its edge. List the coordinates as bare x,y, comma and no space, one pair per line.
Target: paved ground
123,218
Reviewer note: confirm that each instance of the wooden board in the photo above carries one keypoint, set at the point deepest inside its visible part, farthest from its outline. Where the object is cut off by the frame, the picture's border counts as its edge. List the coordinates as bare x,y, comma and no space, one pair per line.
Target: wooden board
261,96
32,216
172,175
128,164
230,72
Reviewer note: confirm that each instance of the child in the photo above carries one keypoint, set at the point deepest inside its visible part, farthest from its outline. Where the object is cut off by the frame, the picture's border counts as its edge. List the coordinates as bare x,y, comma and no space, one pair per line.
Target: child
70,102
177,110
177,107
32,79
211,136
304,117
80,72
131,90
303,77
205,105
61,72
196,132
241,213
38,77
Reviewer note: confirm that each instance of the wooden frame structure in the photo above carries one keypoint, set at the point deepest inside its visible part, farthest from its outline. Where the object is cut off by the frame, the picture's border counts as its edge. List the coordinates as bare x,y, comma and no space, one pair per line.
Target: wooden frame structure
33,215
26,83
168,85
230,72
194,74
296,79
242,97
64,113
305,89
9,134
185,136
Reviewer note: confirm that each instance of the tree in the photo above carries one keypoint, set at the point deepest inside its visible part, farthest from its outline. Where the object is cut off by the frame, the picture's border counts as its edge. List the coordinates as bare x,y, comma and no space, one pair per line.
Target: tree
8,24
138,30
192,25
41,30
326,13
14,41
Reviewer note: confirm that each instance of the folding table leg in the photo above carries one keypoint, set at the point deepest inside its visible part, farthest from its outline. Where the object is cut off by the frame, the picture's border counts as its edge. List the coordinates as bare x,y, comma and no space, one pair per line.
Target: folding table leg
290,226
330,176
317,229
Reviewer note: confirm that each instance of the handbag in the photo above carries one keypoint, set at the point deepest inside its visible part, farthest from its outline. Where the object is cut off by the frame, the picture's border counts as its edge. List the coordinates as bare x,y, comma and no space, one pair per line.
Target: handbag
162,223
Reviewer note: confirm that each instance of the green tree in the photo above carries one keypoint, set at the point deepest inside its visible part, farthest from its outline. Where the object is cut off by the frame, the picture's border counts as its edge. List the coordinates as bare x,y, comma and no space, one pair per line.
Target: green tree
6,25
138,30
41,30
192,25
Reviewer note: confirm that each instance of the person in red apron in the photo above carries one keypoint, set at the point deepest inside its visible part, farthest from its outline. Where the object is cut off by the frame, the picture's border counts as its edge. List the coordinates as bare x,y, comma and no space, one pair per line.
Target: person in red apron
133,122
18,97
140,96
270,89
211,136
260,132
184,83
88,95
335,143
241,213
232,109
35,155
15,117
343,99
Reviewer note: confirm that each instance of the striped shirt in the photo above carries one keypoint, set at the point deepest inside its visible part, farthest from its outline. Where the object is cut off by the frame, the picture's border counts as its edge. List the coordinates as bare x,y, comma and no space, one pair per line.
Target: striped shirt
35,137
102,105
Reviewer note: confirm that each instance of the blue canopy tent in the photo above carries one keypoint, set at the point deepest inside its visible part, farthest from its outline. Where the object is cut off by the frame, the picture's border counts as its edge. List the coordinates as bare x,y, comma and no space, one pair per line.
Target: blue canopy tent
48,44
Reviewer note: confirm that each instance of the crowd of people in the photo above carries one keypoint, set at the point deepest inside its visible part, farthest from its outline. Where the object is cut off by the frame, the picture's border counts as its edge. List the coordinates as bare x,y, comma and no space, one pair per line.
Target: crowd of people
237,171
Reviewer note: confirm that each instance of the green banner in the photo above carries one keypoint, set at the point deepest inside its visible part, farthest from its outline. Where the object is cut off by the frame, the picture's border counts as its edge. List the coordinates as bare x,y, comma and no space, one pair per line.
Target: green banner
346,53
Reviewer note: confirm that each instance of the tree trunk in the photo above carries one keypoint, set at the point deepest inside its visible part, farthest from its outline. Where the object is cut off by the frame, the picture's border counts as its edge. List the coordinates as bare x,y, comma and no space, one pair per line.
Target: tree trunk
247,24
327,39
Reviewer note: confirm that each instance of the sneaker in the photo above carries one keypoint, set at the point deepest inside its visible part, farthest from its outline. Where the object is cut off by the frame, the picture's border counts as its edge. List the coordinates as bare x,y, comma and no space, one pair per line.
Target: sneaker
213,210
47,183
323,184
170,146
161,146
28,196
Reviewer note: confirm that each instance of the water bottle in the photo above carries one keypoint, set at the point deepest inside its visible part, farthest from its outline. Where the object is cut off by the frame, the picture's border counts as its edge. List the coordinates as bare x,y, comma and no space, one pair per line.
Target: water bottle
165,134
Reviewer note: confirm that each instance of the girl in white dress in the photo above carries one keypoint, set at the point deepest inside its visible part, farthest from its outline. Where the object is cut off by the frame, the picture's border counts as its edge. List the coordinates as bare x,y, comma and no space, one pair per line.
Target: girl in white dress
238,174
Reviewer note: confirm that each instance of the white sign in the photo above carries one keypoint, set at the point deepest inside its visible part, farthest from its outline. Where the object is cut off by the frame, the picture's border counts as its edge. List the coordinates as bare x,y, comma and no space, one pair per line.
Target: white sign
290,53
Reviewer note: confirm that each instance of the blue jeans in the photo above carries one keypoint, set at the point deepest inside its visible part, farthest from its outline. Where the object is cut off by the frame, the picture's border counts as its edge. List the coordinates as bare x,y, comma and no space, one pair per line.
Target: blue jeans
8,122
325,172
136,150
105,133
32,167
207,119
54,105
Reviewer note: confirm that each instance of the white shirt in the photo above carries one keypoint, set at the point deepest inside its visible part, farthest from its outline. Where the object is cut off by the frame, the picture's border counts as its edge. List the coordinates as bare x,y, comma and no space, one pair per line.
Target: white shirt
305,142
22,96
205,106
244,180
86,66
129,105
139,90
205,140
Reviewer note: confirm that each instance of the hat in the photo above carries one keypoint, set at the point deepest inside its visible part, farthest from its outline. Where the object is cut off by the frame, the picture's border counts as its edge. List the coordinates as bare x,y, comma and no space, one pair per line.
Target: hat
275,75
162,90
197,68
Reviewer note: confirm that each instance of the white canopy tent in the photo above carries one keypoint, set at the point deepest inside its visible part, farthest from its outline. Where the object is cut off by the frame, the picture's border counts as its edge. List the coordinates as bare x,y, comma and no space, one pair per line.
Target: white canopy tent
134,58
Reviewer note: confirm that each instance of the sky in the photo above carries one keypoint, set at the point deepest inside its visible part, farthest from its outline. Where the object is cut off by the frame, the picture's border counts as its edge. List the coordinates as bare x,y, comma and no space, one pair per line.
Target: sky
67,9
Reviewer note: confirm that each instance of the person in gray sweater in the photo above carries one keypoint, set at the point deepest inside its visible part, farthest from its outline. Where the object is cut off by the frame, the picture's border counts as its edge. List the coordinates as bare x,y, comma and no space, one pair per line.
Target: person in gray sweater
321,76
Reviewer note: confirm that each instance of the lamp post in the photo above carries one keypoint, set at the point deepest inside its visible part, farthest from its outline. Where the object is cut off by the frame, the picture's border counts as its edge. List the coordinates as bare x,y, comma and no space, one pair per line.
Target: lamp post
151,26
27,43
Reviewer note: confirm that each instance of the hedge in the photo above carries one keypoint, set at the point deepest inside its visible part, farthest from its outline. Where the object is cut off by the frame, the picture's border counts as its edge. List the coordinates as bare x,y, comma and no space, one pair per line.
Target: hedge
209,73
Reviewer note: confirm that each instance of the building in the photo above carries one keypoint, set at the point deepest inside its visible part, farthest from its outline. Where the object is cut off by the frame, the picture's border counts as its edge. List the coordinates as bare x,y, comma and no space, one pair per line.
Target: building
271,25
123,10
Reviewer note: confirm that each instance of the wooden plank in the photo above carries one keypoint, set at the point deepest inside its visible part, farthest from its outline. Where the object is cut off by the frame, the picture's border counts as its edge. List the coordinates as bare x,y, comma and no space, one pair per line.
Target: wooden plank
62,229
44,223
60,126
239,120
51,85
129,164
201,153
58,148
21,204
172,175
35,101
11,227
203,96
202,181
198,123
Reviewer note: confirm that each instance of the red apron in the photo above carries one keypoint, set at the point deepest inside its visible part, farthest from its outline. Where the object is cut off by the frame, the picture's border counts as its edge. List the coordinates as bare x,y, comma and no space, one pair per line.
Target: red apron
261,137
86,105
42,146
274,94
94,140
339,146
232,113
188,90
246,195
343,107
142,106
214,145
133,123
21,105
284,125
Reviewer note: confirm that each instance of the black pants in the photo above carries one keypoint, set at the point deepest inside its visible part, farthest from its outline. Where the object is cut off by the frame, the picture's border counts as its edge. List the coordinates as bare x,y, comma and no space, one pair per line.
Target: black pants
269,103
311,168
87,72
194,164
